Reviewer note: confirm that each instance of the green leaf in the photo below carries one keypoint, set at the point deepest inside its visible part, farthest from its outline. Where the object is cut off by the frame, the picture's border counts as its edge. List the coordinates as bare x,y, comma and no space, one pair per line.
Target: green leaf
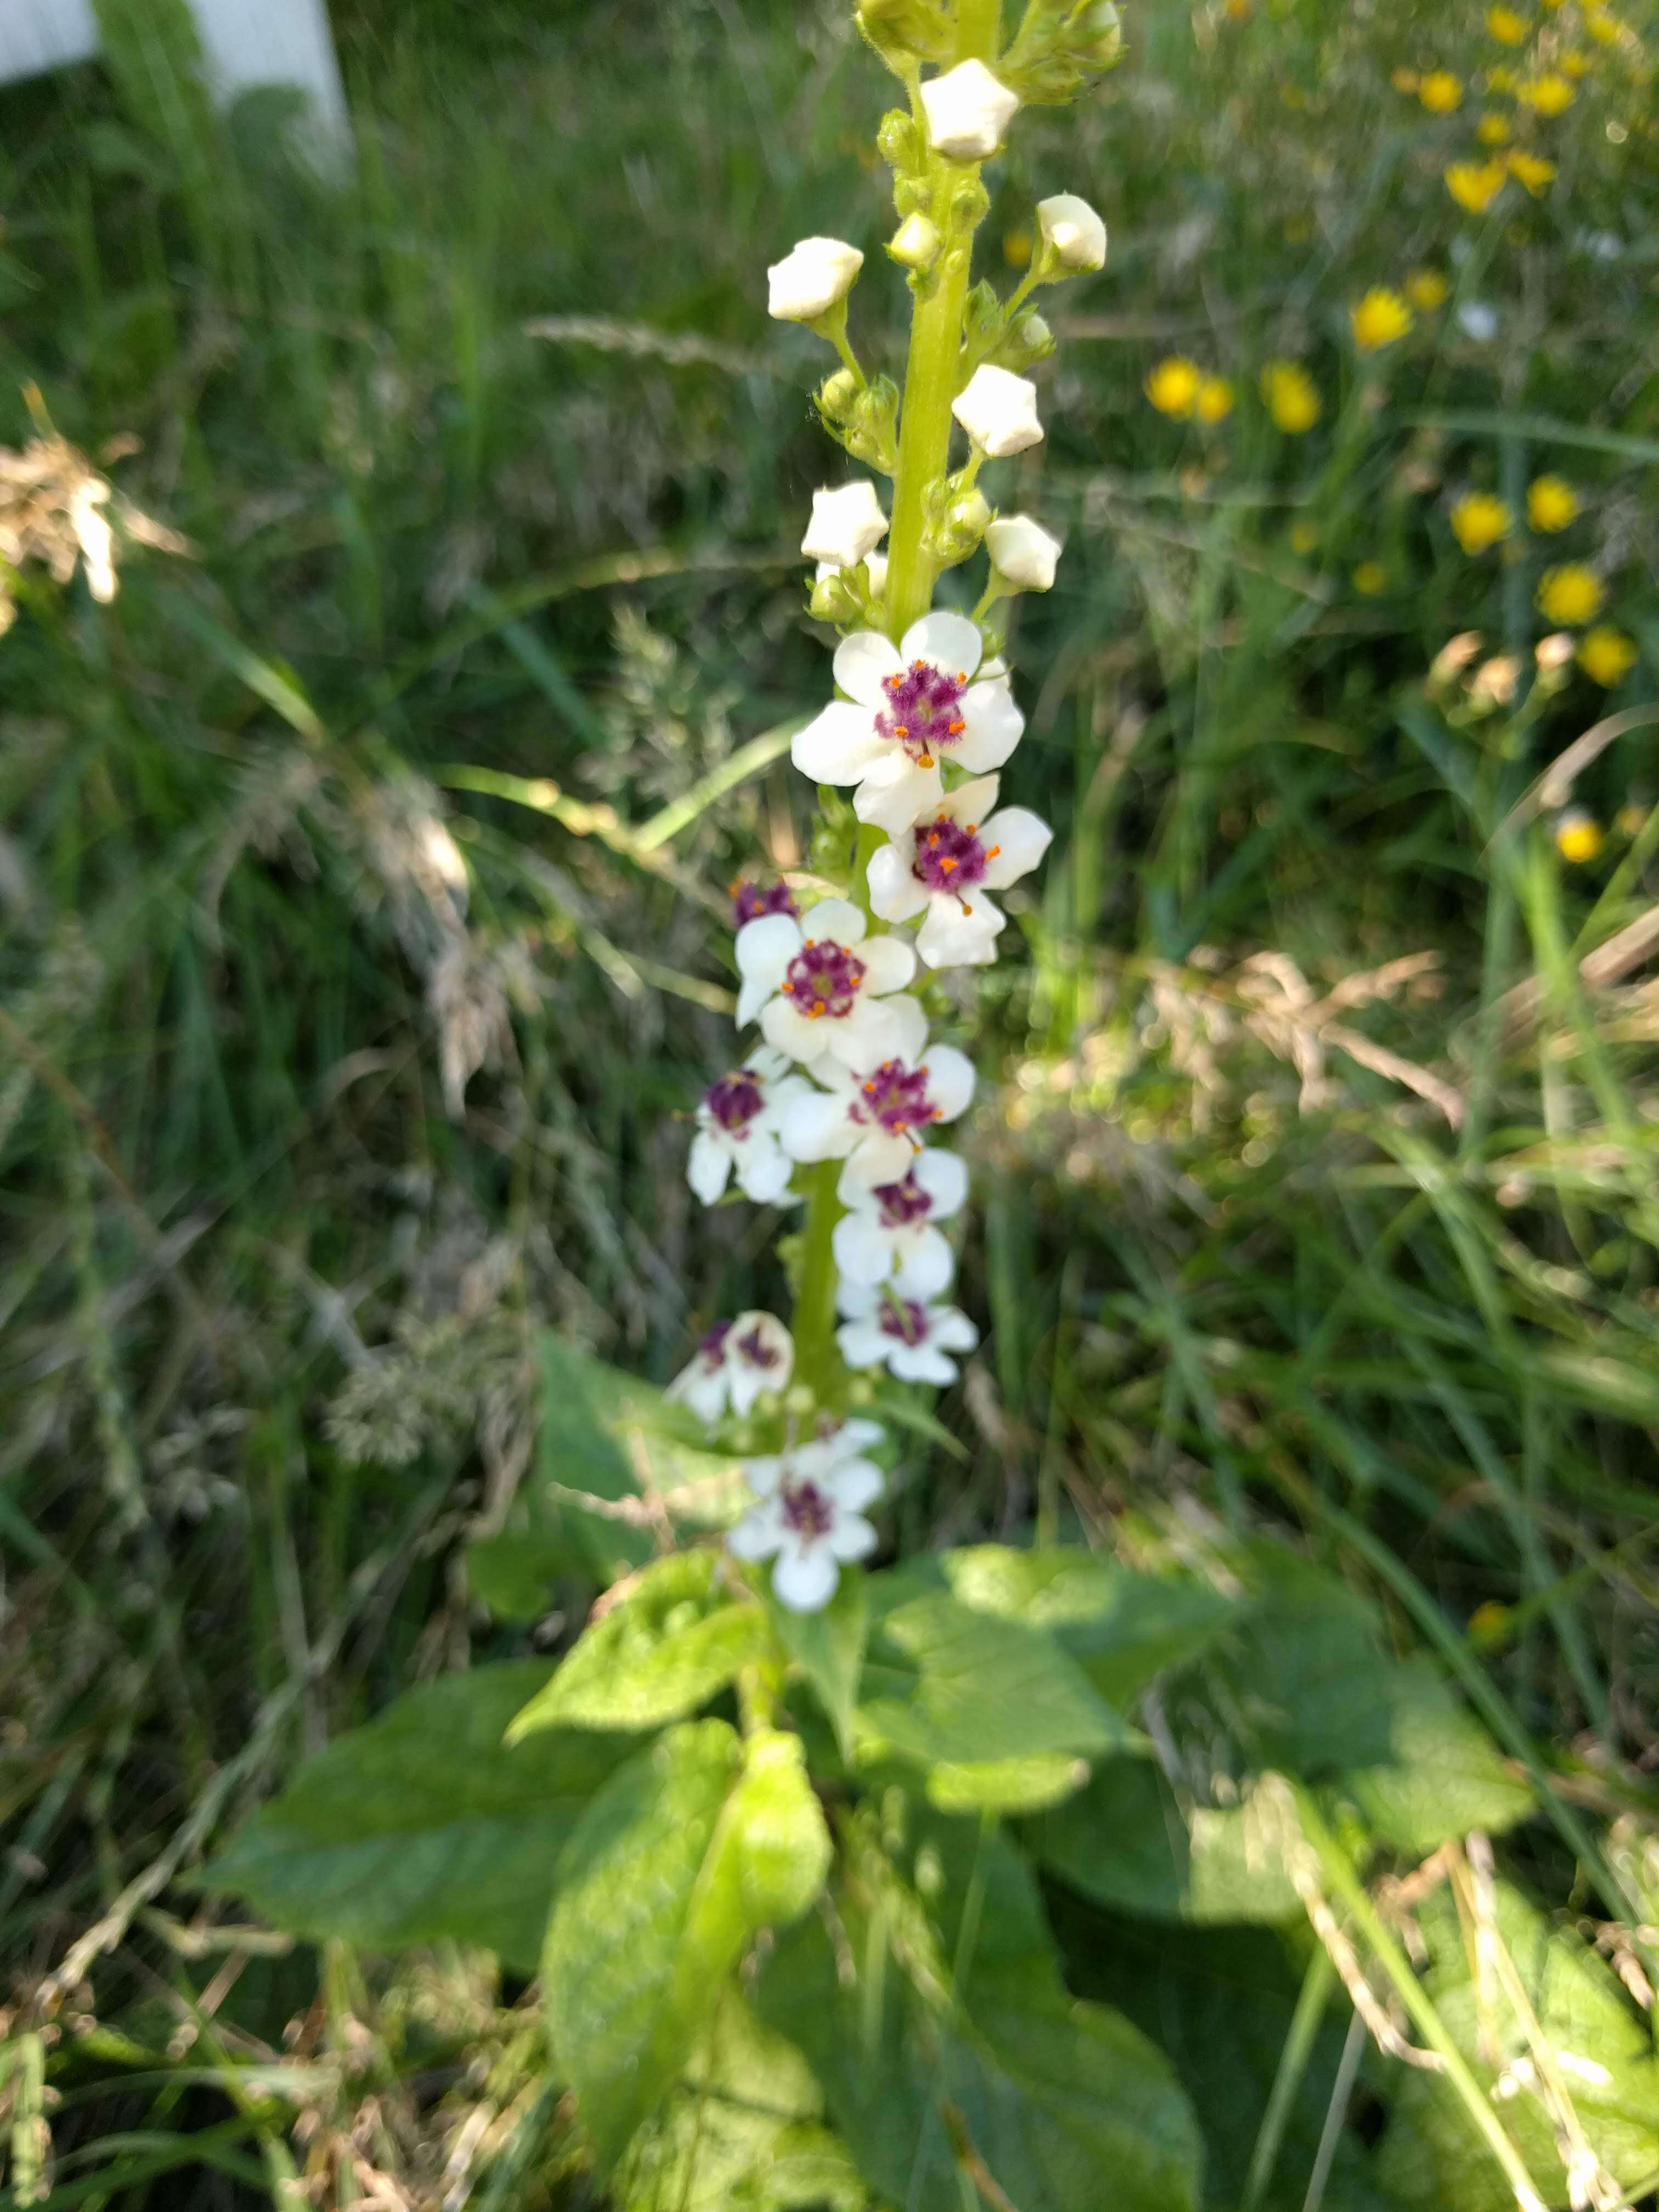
421,1826
1444,1776
1123,1843
664,1648
1430,2156
828,1646
1010,2082
961,1688
693,1847
1124,1627
514,1574
1305,1672
1006,1785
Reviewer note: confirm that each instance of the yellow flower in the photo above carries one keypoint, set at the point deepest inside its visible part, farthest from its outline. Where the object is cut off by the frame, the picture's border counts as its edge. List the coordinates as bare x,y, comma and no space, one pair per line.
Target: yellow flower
1492,129
1571,593
1440,92
1500,80
1304,538
1506,26
1550,95
1380,317
1016,249
1578,836
1605,655
1291,397
1214,400
1426,289
1405,80
1476,184
1370,577
1604,29
1480,519
1573,63
1489,1624
1172,387
1531,170
1551,504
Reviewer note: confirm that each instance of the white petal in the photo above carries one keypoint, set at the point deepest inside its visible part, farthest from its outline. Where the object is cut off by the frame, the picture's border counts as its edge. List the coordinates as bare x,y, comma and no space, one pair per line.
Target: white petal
804,1576
1024,837
950,1080
857,1300
838,745
926,1263
863,1250
895,894
759,1533
951,1330
704,1390
764,949
894,792
766,1063
820,1127
972,801
913,1028
707,1168
764,1169
889,963
920,1363
860,663
950,939
837,918
950,641
864,1038
792,1032
763,1474
855,1484
857,1436
876,1157
863,1343
993,727
944,1176
851,1537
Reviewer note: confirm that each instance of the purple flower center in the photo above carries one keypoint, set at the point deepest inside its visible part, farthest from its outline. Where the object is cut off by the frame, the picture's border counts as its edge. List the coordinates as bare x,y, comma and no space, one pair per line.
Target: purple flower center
750,901
895,1097
949,856
734,1101
808,1511
823,979
712,1350
756,1351
902,1203
904,1319
923,710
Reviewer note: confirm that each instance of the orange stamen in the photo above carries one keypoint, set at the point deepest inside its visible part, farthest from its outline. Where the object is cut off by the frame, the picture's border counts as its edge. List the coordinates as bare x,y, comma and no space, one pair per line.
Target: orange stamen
992,851
945,866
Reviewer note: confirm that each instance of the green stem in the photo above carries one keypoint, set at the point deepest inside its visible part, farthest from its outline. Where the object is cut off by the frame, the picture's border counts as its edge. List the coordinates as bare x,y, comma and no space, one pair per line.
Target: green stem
817,1361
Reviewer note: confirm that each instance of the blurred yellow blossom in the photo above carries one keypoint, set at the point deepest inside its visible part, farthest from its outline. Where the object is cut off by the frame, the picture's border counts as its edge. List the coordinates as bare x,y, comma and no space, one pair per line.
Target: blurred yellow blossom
1550,95
1602,27
1440,92
1531,170
1405,80
1480,519
1573,63
1489,1624
1476,184
1578,835
1632,818
1506,26
1605,655
1492,129
1500,80
1379,319
1571,593
1017,248
1172,386
1370,577
1426,289
1551,504
1304,539
1214,399
1291,396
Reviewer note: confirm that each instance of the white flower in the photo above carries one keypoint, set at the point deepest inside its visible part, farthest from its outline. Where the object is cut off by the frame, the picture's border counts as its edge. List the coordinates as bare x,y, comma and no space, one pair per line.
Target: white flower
888,1234
1478,321
909,708
817,987
811,1514
812,278
734,1363
875,1118
946,862
1073,231
915,243
846,523
911,1338
998,410
875,566
967,111
738,1124
1021,552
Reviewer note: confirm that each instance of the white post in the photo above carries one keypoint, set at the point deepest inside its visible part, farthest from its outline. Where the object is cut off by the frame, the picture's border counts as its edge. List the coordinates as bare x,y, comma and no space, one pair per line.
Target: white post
45,34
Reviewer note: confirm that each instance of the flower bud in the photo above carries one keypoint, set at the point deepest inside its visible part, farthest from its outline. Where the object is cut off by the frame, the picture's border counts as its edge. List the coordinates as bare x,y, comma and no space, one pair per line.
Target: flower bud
835,596
956,530
1029,341
967,112
837,395
1098,35
846,523
999,412
813,278
915,243
899,143
1021,552
1073,235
